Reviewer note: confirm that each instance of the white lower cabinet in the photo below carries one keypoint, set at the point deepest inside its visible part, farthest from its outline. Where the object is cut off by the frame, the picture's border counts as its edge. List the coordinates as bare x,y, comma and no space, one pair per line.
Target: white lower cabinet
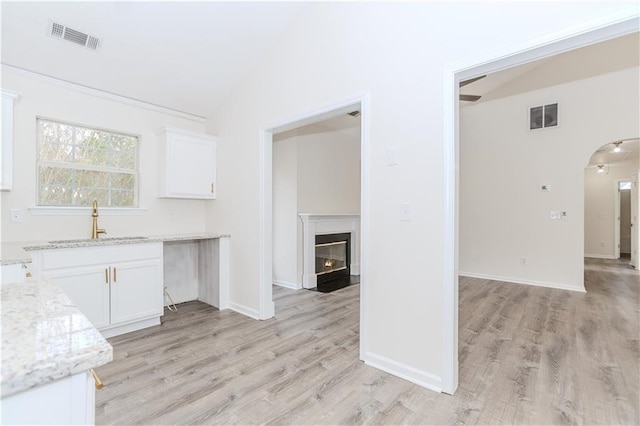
15,273
67,401
118,288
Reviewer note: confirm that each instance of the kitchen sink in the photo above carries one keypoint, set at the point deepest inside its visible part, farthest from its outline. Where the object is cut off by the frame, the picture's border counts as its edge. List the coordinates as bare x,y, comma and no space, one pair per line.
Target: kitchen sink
88,240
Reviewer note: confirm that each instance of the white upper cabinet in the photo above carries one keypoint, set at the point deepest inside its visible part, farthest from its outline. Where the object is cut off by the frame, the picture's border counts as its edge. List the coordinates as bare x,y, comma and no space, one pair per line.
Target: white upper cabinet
6,159
189,161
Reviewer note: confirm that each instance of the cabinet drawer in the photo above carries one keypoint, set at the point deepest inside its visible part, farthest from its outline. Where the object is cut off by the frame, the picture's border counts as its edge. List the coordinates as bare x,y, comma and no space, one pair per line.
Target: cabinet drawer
70,257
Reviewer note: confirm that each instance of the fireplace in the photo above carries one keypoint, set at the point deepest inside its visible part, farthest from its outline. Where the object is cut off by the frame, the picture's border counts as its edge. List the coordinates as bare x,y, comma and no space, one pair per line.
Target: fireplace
321,229
333,263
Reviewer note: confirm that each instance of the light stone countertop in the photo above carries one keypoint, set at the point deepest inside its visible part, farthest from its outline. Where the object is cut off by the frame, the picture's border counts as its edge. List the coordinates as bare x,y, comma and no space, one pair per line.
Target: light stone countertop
45,337
17,252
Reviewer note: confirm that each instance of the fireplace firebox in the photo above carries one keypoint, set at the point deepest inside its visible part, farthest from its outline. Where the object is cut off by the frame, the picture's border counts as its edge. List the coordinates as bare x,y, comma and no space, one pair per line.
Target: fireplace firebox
333,261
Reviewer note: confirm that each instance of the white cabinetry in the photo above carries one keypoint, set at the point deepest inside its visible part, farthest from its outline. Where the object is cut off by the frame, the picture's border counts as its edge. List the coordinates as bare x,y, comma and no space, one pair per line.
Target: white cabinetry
189,165
68,401
6,161
15,273
118,288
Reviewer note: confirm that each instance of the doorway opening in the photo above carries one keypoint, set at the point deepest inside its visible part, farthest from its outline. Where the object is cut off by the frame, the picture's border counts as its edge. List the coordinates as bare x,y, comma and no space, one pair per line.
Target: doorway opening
317,193
606,30
624,222
341,110
610,201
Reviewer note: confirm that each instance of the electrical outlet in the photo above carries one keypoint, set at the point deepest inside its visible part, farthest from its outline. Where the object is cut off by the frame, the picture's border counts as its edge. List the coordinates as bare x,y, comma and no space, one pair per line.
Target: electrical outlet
17,215
523,260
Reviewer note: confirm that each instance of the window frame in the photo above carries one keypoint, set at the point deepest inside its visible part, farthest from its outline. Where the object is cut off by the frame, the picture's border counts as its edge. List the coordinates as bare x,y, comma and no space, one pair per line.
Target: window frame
66,208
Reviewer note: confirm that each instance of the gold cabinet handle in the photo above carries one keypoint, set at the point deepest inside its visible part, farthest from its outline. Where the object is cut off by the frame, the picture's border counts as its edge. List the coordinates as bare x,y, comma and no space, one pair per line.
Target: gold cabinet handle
106,275
96,379
115,276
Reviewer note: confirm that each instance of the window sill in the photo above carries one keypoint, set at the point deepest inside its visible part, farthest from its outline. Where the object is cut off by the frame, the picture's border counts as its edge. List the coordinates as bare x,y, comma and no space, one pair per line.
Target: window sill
83,211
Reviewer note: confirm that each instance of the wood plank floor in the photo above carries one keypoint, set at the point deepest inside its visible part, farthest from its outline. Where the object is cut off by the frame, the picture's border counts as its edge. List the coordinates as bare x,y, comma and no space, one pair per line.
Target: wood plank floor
528,355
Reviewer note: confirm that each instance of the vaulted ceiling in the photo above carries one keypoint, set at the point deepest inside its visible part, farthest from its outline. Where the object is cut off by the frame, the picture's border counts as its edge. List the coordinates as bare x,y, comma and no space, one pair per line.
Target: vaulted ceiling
597,59
186,56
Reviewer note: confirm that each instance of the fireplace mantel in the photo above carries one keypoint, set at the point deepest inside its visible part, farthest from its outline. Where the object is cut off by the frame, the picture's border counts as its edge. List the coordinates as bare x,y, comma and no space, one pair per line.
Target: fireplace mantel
327,223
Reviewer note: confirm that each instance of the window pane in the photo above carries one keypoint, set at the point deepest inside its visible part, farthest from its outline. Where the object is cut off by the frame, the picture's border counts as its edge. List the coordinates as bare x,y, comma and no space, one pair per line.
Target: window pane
122,198
56,132
90,178
91,156
60,153
625,186
55,176
84,196
122,181
55,195
123,160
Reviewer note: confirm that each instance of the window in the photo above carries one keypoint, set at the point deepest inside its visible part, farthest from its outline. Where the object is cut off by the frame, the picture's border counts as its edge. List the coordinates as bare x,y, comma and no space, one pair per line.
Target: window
79,164
625,186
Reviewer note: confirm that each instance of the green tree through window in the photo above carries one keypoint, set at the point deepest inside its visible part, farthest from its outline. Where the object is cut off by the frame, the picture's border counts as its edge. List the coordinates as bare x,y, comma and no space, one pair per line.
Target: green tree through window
79,164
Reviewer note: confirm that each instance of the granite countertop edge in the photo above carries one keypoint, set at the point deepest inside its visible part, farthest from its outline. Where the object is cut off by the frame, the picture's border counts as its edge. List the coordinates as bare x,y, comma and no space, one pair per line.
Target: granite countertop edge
45,337
18,252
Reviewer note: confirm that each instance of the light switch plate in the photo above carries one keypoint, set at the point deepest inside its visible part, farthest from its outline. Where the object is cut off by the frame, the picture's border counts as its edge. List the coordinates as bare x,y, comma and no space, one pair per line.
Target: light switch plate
392,156
405,212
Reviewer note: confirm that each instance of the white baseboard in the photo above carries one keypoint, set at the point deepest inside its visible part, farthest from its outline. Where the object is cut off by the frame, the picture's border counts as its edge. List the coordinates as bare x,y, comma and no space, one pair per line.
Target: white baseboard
244,310
287,284
128,328
558,286
412,374
600,256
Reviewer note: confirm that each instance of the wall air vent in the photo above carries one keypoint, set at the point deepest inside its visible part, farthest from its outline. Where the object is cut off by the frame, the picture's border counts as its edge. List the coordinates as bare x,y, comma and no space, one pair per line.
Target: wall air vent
74,36
541,117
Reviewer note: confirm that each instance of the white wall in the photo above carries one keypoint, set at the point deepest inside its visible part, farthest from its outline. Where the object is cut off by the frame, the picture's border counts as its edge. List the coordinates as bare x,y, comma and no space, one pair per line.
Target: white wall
315,170
57,101
504,216
600,194
328,171
396,53
285,211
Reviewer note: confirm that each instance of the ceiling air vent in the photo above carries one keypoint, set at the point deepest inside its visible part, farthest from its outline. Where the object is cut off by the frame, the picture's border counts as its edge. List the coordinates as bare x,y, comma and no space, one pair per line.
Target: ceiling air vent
74,36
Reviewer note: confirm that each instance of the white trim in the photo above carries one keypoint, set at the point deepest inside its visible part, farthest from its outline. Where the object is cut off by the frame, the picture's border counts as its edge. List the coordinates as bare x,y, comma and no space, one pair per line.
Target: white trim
102,94
511,280
450,236
85,211
404,371
266,186
6,173
364,219
604,28
267,307
244,310
287,284
601,256
112,331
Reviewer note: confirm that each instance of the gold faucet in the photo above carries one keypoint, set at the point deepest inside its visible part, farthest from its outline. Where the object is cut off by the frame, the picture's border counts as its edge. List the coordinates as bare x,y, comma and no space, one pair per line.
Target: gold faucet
96,231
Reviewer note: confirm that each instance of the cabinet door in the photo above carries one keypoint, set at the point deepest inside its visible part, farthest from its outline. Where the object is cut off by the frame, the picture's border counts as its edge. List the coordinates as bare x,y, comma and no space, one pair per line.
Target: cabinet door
88,289
6,148
190,167
136,290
